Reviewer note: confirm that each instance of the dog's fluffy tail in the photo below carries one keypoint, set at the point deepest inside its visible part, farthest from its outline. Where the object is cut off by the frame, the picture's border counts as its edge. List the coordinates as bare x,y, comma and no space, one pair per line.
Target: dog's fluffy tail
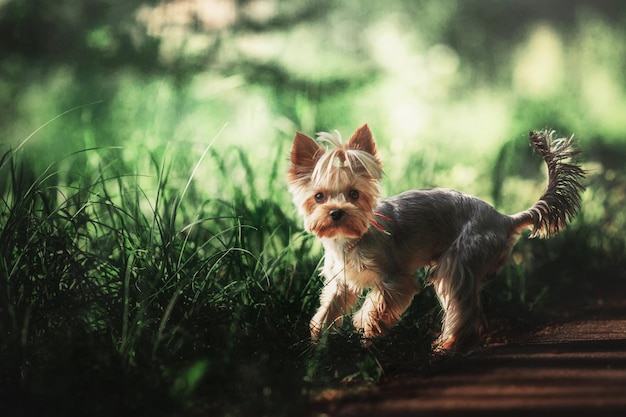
562,197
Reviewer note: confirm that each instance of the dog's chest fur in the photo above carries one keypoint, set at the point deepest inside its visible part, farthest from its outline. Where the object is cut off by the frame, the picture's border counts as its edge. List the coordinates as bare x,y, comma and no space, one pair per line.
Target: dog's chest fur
348,267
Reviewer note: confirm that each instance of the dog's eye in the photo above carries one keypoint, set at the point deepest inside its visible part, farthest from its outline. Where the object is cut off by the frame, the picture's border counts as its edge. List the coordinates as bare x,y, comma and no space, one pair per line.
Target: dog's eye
353,194
319,197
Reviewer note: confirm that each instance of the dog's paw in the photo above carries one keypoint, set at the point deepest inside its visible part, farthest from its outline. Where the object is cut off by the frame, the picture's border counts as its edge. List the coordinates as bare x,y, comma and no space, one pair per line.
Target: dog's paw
453,346
369,327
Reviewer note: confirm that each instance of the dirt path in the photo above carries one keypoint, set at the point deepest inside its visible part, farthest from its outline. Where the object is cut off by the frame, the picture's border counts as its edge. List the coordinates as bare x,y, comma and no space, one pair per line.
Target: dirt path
577,367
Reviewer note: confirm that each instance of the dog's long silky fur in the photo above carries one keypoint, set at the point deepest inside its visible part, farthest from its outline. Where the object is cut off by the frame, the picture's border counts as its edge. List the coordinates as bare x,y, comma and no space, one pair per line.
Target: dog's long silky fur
379,243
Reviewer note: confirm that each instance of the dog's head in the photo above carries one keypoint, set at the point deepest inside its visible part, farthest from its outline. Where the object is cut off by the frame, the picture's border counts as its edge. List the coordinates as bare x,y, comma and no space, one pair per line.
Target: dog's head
336,188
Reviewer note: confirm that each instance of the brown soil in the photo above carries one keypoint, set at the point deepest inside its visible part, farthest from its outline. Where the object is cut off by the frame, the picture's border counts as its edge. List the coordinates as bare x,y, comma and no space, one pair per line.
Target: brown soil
572,367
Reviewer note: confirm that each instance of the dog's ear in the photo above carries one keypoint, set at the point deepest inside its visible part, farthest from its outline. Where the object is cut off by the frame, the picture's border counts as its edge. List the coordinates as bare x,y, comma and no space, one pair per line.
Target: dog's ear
304,155
305,150
362,140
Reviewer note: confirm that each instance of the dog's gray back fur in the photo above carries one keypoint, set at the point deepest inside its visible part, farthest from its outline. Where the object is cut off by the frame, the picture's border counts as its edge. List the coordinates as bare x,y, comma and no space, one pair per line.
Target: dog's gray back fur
420,225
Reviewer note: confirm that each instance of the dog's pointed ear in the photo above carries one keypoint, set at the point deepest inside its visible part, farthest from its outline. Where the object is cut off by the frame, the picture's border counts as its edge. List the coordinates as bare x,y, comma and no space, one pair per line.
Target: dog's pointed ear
362,140
304,155
305,150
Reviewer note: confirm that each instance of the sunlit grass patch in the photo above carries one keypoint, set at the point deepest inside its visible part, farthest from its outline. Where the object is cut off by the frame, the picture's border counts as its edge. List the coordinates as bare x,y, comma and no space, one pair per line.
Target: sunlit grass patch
148,283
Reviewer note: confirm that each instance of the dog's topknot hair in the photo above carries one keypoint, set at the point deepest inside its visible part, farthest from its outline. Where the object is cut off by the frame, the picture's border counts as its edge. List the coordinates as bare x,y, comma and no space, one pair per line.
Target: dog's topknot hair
339,154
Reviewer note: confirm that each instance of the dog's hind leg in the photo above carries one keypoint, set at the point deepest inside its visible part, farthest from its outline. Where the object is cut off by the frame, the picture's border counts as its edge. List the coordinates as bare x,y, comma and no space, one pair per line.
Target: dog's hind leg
457,279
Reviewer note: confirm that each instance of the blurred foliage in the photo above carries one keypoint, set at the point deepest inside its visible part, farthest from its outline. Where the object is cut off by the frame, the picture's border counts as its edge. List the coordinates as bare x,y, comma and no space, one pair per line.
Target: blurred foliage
147,234
443,84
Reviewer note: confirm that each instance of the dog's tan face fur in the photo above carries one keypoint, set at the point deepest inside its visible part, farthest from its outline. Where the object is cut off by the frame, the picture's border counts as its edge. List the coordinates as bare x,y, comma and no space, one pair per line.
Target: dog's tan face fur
379,243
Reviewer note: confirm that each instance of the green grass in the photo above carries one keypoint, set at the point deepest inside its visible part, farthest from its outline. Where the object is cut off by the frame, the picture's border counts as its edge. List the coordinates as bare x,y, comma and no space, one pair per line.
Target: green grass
125,299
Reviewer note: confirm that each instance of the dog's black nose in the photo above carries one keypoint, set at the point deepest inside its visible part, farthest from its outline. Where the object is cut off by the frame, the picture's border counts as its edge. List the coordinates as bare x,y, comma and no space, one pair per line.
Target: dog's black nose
336,214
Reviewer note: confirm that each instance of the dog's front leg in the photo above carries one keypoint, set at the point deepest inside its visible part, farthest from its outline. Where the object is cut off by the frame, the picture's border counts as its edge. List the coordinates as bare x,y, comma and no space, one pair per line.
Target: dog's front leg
336,301
384,305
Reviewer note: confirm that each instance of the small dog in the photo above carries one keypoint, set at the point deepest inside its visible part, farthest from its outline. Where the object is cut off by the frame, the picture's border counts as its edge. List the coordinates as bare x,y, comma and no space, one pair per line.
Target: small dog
380,243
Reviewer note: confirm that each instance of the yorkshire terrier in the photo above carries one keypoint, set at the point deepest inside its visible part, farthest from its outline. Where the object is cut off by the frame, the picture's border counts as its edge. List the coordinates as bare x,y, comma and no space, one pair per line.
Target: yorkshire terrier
379,243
